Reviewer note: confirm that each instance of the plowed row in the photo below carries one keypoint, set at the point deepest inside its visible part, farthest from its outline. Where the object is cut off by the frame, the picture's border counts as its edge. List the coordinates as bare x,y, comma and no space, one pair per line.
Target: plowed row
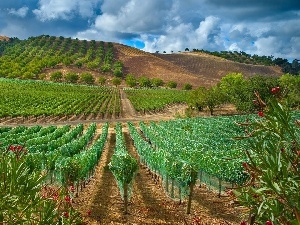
149,204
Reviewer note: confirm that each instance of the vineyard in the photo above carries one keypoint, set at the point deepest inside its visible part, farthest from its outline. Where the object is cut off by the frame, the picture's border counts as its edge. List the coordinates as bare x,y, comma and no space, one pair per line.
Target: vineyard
29,59
39,101
118,155
155,100
69,154
179,158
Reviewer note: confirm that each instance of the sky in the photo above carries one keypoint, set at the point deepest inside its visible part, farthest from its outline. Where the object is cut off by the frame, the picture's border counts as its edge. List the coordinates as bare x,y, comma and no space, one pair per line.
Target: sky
262,27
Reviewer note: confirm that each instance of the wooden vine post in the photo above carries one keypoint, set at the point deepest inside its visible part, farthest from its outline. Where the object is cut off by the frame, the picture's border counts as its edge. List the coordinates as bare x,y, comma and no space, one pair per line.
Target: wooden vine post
191,189
125,198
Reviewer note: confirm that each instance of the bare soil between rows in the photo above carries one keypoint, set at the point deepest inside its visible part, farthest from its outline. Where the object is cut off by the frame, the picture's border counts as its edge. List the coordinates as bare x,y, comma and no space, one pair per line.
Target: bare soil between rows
149,202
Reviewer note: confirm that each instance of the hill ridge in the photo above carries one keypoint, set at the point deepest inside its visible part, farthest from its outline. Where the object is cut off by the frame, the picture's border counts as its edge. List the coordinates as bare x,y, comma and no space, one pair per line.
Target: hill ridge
50,53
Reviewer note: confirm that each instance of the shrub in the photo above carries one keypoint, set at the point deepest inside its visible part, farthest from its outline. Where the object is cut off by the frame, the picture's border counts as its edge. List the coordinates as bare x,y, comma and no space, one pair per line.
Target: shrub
187,87
56,76
101,80
171,84
42,76
25,199
87,78
272,192
144,81
71,77
116,81
131,80
157,82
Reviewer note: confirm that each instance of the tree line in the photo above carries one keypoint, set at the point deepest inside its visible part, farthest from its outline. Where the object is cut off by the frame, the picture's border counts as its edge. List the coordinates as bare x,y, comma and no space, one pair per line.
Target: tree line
236,89
242,57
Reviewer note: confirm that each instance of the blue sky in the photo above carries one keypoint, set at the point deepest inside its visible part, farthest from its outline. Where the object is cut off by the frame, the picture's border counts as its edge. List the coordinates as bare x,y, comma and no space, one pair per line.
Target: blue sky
263,27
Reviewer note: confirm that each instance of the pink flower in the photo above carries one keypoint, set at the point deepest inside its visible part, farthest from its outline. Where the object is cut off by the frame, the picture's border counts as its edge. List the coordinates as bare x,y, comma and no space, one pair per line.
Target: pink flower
89,212
261,114
269,222
243,223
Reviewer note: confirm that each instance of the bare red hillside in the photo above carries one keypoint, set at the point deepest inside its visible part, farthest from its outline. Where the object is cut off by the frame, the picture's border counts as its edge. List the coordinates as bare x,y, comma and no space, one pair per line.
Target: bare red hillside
4,38
140,63
198,69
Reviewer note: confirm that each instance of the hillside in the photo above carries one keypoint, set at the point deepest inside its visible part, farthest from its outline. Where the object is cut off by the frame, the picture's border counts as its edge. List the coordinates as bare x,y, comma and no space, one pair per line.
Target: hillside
38,57
4,38
140,63
198,69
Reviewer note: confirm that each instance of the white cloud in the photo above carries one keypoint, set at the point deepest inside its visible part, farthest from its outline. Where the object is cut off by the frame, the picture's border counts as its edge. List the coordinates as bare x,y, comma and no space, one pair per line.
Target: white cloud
169,25
234,47
268,46
64,9
132,16
94,34
185,36
21,12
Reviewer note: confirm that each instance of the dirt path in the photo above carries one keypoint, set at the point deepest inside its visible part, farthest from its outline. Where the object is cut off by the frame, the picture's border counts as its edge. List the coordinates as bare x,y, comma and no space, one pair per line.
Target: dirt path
127,109
101,195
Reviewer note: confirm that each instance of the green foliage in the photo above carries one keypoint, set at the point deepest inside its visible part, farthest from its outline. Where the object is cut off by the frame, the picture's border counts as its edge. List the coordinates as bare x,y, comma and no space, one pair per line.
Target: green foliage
157,82
116,81
79,63
291,85
42,76
24,197
213,98
67,61
101,80
71,77
239,91
187,87
197,98
122,164
93,65
144,81
155,99
56,76
171,84
130,80
36,98
272,192
202,97
35,54
106,68
87,78
118,69
29,75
